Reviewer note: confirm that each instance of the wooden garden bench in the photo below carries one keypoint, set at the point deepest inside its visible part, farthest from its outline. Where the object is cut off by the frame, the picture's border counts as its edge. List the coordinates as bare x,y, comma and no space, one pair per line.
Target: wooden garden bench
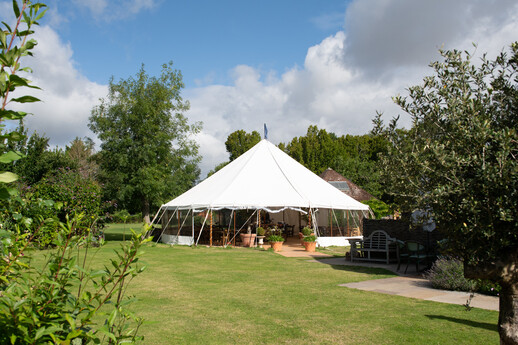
378,242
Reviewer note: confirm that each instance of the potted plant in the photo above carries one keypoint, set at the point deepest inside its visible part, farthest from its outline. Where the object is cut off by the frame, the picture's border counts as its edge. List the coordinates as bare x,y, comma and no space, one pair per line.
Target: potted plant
307,231
260,235
248,239
276,242
310,243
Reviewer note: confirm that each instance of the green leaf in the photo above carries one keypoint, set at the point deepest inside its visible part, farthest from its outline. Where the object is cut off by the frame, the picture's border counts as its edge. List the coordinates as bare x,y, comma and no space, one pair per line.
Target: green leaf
16,9
8,177
11,114
25,99
4,193
39,16
3,39
7,26
18,81
70,321
9,157
112,317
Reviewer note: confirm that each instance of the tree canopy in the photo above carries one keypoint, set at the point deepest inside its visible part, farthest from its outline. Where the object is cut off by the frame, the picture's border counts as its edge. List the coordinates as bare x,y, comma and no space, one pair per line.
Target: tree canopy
147,152
353,156
240,141
459,163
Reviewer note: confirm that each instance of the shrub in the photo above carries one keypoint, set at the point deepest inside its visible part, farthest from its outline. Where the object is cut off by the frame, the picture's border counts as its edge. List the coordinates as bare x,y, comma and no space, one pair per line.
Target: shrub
487,287
378,207
260,231
121,216
311,238
65,299
307,231
77,194
448,273
275,238
19,213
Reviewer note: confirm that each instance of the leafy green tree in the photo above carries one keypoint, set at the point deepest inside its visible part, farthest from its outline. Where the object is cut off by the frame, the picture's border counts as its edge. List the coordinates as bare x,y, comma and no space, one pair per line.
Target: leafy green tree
237,143
459,161
240,141
39,160
217,168
355,157
81,153
147,153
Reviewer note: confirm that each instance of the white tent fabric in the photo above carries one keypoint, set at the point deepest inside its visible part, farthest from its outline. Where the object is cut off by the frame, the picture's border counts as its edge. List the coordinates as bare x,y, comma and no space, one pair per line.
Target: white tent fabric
266,178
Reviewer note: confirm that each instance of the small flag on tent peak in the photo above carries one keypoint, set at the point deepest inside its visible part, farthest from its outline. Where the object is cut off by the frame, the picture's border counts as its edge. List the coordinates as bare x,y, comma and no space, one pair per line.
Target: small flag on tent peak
265,132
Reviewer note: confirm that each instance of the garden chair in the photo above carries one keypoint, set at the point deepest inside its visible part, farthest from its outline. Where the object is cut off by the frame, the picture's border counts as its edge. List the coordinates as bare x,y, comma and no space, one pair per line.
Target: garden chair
416,252
402,253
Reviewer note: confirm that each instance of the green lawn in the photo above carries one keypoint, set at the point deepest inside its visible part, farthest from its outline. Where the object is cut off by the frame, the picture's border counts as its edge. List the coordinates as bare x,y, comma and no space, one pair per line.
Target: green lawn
118,232
248,296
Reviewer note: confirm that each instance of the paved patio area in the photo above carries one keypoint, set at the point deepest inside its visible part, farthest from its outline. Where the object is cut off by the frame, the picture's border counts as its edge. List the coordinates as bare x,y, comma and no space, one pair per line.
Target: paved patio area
408,285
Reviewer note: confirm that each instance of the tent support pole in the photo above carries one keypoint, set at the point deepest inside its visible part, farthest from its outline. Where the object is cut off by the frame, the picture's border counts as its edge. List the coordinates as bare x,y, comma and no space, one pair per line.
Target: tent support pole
348,227
331,219
337,223
178,219
239,230
210,241
159,219
192,225
164,228
234,240
202,227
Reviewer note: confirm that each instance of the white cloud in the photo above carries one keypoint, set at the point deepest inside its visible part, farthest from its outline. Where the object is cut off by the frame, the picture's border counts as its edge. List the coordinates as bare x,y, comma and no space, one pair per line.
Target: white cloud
67,96
345,79
385,48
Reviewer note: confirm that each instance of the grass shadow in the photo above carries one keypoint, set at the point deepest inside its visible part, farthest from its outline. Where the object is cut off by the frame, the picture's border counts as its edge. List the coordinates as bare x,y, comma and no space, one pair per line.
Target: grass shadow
117,236
363,269
470,323
356,268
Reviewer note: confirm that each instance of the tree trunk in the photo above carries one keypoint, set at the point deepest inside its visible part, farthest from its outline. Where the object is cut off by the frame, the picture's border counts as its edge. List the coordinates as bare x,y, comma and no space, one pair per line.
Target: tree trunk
508,318
145,210
504,272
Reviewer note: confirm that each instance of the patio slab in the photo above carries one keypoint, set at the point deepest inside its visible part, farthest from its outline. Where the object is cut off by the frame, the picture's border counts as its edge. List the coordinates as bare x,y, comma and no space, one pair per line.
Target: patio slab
410,285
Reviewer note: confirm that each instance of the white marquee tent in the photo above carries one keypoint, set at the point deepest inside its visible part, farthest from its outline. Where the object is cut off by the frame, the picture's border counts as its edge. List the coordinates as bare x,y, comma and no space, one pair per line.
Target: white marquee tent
263,178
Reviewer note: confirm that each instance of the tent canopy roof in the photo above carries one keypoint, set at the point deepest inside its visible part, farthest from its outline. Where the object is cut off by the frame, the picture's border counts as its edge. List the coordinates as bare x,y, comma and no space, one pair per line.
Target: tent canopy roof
264,177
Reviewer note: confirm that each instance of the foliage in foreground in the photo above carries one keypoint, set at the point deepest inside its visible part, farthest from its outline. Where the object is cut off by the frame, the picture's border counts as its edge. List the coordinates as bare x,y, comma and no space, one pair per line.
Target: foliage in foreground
64,299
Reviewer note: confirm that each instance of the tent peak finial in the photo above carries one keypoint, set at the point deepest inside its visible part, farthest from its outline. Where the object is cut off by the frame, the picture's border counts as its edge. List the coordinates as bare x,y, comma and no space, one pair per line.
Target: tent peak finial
265,132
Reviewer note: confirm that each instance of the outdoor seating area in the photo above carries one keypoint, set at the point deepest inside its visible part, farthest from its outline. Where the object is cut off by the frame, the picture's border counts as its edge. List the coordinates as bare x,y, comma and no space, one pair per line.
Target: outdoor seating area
380,247
376,247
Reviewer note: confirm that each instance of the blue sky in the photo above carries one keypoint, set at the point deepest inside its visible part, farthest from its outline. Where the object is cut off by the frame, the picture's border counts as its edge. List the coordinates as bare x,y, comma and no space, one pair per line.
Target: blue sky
287,63
205,39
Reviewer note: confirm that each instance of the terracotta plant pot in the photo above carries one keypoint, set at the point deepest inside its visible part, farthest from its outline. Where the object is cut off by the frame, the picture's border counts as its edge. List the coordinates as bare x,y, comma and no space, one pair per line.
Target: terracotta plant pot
247,239
310,246
277,246
301,236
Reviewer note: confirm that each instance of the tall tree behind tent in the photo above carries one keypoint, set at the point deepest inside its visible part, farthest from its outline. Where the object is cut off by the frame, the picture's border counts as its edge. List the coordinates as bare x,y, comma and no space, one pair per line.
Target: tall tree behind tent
353,156
240,141
147,153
